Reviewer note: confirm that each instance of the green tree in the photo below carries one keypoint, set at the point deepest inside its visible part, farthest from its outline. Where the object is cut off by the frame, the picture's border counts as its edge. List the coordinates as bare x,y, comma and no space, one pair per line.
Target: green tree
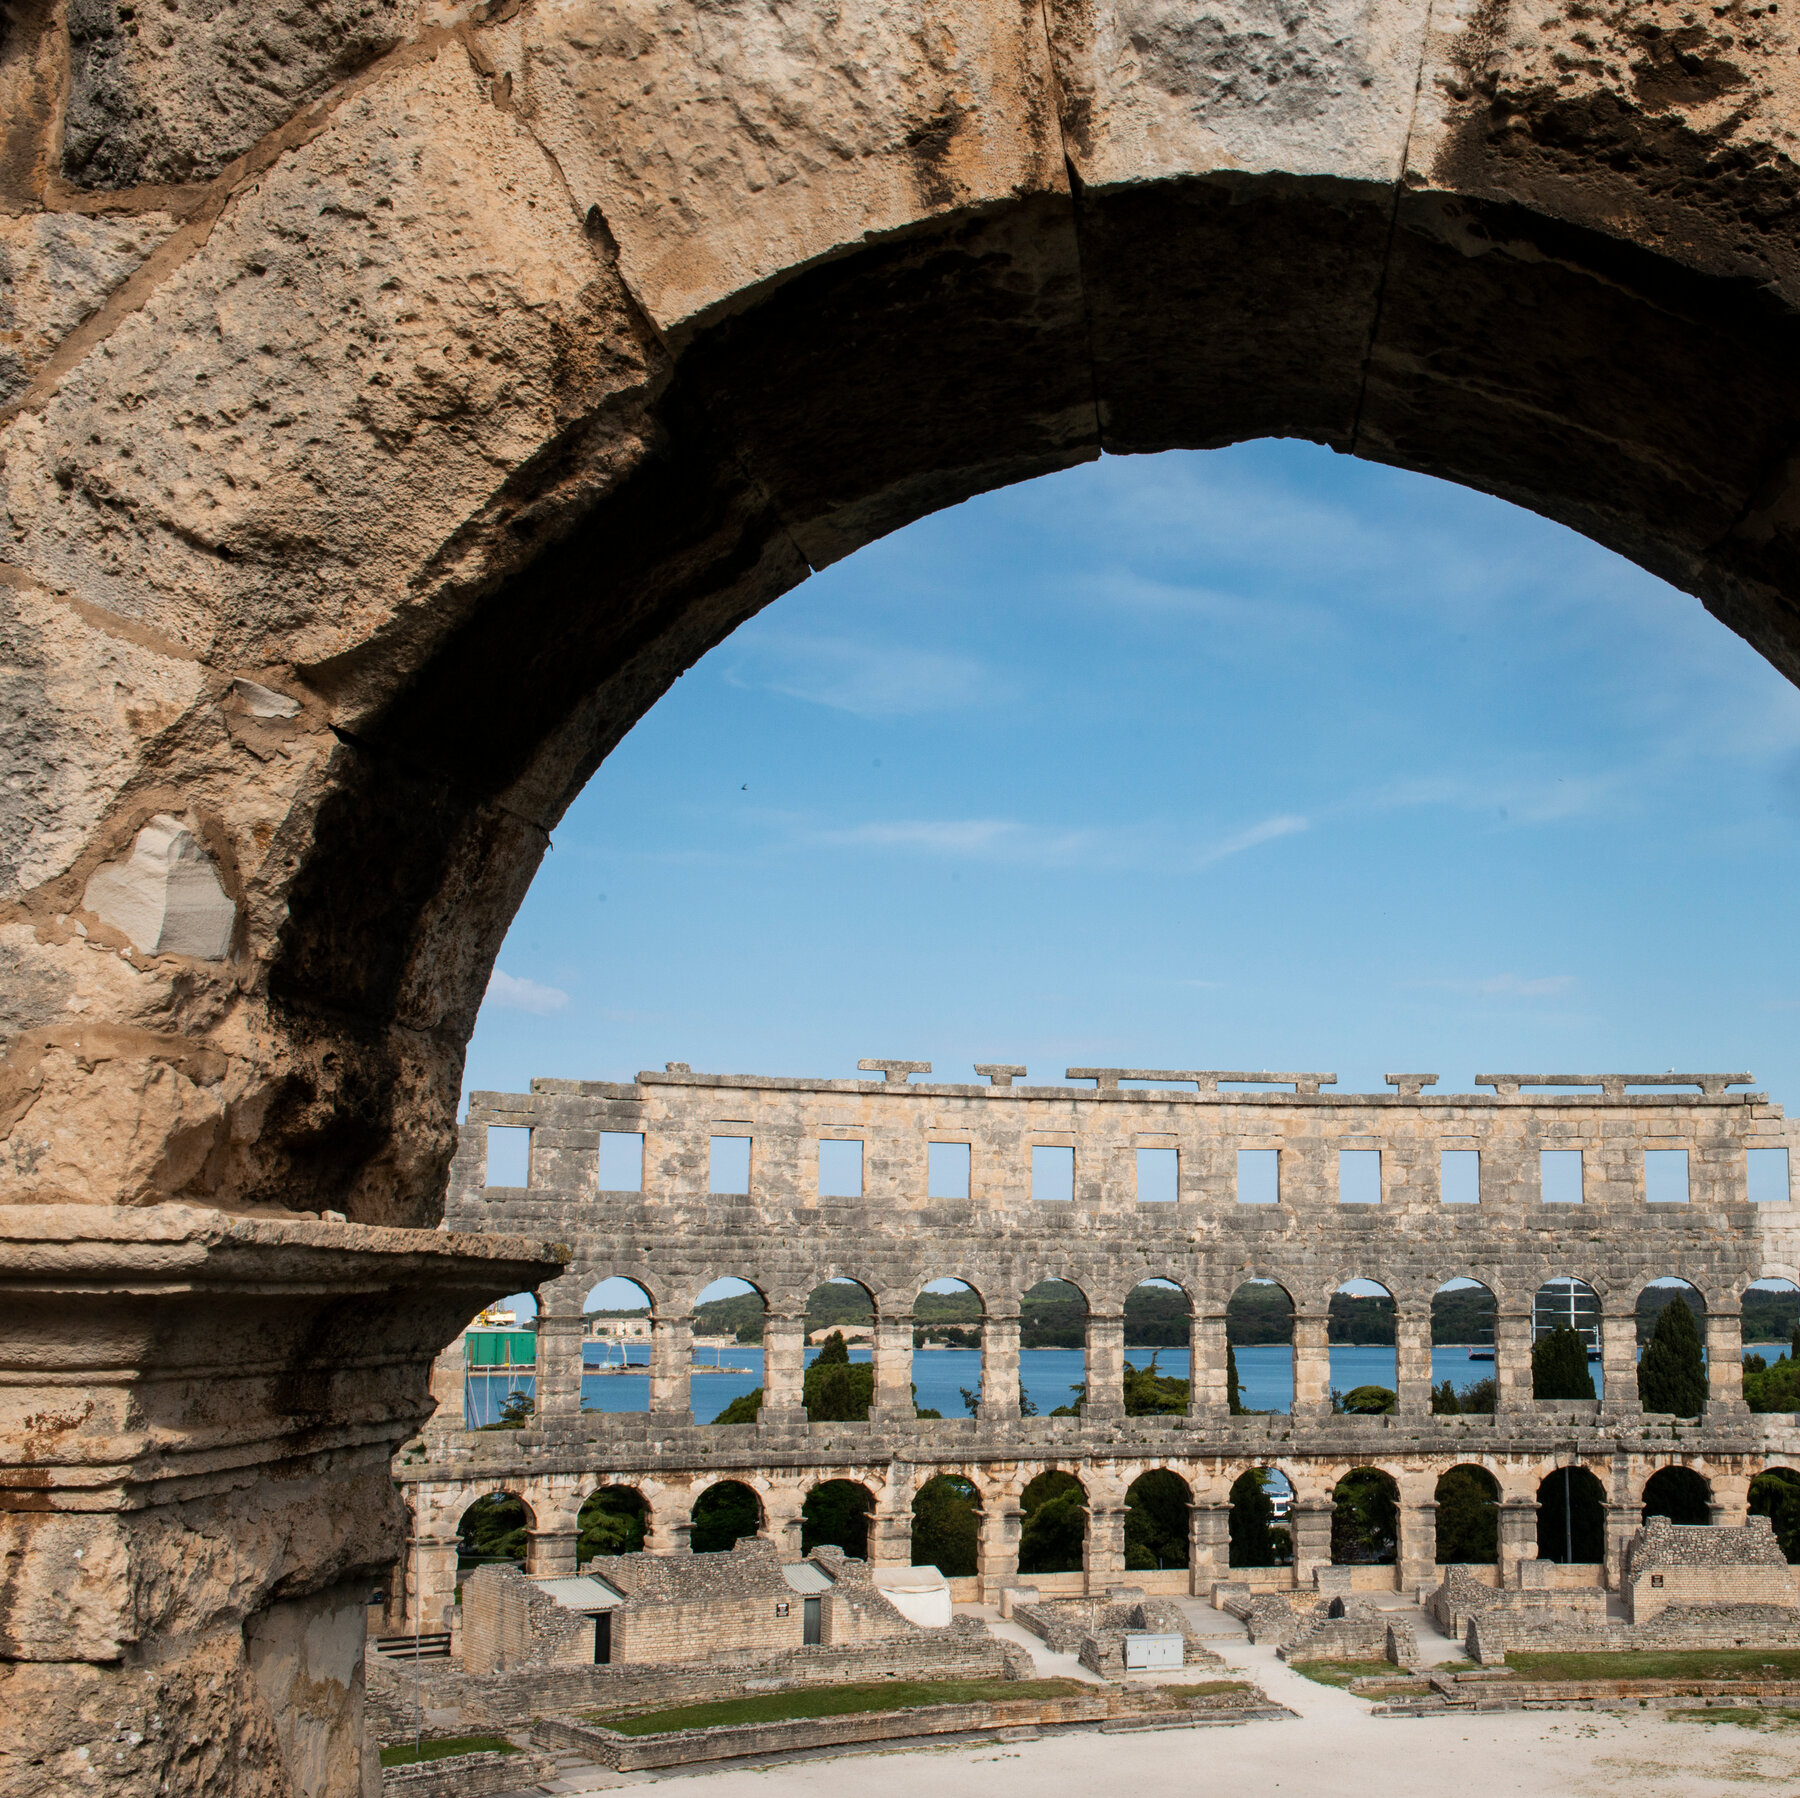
1054,1529
1468,1517
837,1512
1775,1494
1156,1521
1559,1366
1251,1515
1364,1519
946,1531
1234,1390
1366,1401
742,1409
611,1522
515,1413
722,1514
1152,1394
492,1529
1480,1397
1672,1372
1444,1402
836,1389
1774,1388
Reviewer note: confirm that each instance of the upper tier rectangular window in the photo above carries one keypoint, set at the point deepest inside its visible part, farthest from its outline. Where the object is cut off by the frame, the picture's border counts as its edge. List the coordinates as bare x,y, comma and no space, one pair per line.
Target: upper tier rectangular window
728,1168
1559,1172
621,1161
947,1172
1666,1176
1459,1176
840,1169
1768,1176
1359,1176
508,1155
1053,1174
1158,1176
1259,1176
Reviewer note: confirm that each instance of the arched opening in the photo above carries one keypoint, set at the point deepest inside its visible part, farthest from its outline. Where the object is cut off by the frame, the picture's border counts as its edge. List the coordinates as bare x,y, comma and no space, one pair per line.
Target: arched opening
837,1512
1565,1340
1775,1494
615,1520
725,1379
1157,1338
1468,1517
492,1529
500,1365
724,1514
1052,1349
947,1334
1261,1534
1679,1494
1462,1348
1158,1505
1571,1517
1771,1336
615,1346
1671,1348
1360,1329
1053,1528
839,1383
1365,1519
946,1528
1259,1337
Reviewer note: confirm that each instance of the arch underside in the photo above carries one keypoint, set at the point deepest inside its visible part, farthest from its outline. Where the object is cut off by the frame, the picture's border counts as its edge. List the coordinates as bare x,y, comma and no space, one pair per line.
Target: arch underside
471,406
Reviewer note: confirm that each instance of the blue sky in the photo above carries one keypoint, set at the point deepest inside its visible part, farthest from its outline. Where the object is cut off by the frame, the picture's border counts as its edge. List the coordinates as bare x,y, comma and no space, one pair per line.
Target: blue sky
1261,757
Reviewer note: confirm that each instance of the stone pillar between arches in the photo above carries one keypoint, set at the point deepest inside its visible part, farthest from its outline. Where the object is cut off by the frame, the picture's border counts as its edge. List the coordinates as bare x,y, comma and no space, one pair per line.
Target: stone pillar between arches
1618,1364
1416,1560
1208,1395
1309,1525
1724,1362
550,1552
1312,1364
671,1354
893,1402
1209,1546
1517,1533
997,1547
1000,1368
430,1575
1104,1368
557,1376
1512,1361
1103,1547
784,1370
1412,1363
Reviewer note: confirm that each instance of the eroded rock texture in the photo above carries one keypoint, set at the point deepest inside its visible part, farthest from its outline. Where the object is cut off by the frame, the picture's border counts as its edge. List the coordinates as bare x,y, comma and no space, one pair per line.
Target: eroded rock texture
397,399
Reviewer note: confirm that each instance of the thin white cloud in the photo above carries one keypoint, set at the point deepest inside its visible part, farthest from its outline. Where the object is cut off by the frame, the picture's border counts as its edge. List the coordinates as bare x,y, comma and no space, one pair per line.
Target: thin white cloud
978,839
871,680
513,993
1286,824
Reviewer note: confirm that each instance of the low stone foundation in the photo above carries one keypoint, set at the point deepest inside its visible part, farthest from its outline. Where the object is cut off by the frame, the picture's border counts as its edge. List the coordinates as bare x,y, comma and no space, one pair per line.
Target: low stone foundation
508,1701
466,1775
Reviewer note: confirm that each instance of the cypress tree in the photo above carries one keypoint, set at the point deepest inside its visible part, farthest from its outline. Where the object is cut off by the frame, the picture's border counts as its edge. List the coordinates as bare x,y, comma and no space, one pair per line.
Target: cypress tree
1559,1366
1234,1391
1671,1375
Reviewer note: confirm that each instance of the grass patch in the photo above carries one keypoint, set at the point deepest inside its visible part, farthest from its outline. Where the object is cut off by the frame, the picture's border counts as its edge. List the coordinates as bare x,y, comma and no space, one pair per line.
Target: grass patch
832,1701
1340,1673
1744,1715
405,1755
1174,1697
1695,1663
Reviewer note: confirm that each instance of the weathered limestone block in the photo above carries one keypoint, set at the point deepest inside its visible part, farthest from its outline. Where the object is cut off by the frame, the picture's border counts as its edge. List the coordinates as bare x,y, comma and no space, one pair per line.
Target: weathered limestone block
173,96
56,268
724,148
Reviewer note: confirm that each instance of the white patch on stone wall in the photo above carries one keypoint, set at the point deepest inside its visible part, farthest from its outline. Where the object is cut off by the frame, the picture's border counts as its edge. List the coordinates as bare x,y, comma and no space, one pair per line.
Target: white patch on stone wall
165,895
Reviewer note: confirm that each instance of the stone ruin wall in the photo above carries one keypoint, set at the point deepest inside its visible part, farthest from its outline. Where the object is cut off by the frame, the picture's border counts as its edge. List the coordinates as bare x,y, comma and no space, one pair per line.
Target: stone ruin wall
674,1238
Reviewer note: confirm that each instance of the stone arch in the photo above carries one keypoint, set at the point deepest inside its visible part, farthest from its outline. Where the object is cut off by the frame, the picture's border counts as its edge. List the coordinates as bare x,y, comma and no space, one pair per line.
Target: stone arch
832,1303
723,1512
947,1517
1054,1526
1362,1320
837,1511
493,1526
1671,1372
1260,1502
1464,1314
950,1325
1259,1330
615,1518
1157,1506
1365,1518
1468,1515
1571,1516
1679,1493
